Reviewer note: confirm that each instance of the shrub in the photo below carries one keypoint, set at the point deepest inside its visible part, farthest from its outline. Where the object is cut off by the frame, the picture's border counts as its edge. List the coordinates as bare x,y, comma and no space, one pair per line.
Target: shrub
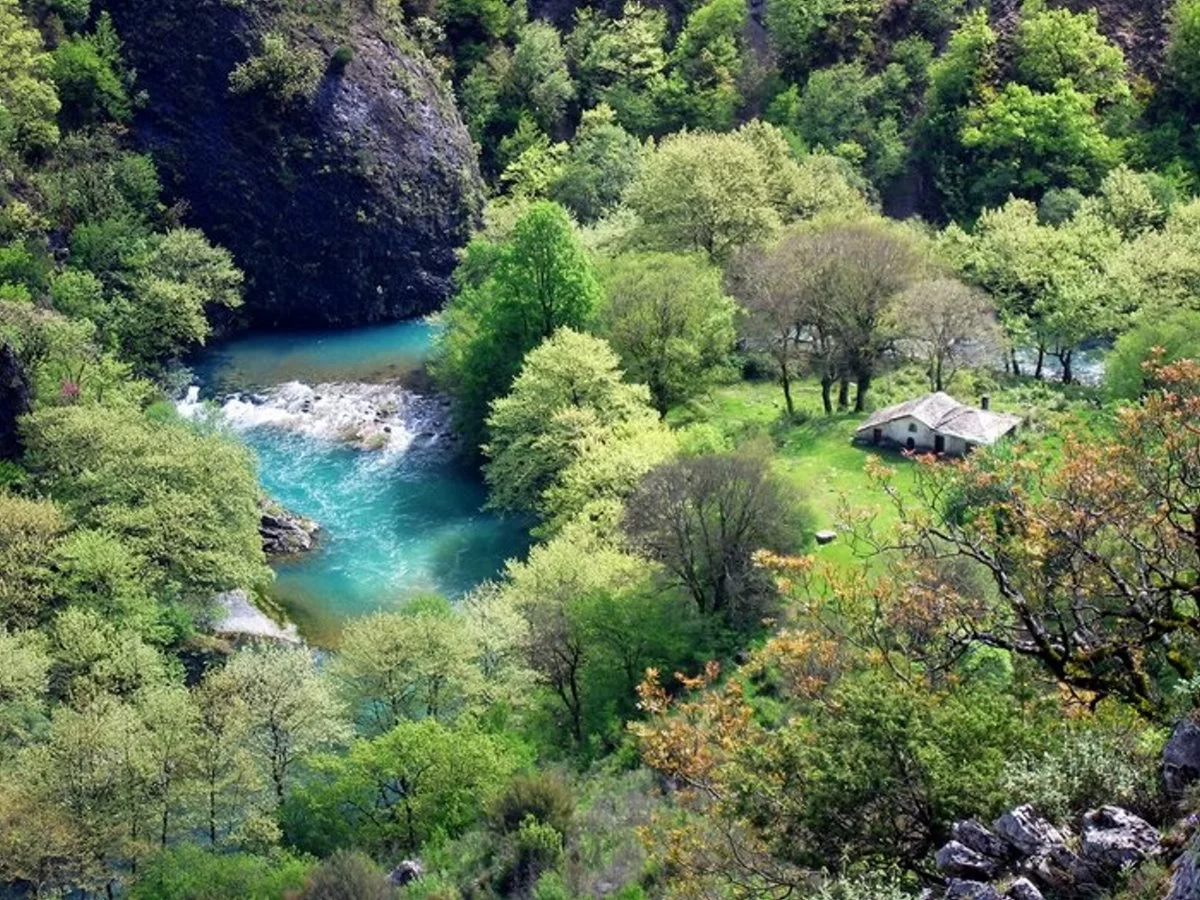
348,875
875,886
551,887
286,75
1177,335
189,872
537,852
542,796
342,57
1088,767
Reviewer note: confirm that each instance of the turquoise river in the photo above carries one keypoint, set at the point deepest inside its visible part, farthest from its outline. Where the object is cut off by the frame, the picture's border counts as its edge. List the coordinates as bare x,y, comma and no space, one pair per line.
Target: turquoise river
398,513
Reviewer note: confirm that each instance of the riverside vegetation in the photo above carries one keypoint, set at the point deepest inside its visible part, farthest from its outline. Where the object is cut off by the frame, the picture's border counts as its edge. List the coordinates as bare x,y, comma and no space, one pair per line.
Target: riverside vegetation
716,235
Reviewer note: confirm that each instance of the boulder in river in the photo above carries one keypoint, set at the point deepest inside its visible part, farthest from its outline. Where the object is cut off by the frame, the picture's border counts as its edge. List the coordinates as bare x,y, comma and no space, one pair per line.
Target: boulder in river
285,533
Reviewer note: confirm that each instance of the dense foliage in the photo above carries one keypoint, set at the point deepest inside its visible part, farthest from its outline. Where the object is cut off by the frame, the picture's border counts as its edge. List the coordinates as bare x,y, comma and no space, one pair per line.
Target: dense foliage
700,269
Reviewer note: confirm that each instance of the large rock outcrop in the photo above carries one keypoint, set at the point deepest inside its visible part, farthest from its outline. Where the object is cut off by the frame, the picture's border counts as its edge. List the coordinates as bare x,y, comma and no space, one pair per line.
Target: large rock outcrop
1181,758
342,207
1026,854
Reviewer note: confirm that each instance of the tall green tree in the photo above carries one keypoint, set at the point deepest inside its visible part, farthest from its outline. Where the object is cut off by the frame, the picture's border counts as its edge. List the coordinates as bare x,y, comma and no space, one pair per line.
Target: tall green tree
703,192
570,394
28,101
513,294
228,780
603,159
1026,142
1183,51
1047,281
621,62
412,664
706,64
1167,339
185,503
540,78
291,707
390,794
590,628
669,320
30,532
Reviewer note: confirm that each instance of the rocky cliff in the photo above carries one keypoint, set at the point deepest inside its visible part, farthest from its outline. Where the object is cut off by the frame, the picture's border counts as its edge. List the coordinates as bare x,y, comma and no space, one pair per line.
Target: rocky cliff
343,205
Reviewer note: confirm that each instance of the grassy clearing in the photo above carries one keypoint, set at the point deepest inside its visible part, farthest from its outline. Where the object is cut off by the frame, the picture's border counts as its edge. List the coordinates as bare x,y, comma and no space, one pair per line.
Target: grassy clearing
816,452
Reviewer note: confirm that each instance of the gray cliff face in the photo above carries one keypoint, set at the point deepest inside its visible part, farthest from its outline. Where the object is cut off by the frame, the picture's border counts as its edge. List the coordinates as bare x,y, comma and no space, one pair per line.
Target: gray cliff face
343,208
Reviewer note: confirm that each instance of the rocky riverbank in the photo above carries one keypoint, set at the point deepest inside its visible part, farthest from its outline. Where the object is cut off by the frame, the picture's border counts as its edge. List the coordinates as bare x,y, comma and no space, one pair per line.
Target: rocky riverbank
284,533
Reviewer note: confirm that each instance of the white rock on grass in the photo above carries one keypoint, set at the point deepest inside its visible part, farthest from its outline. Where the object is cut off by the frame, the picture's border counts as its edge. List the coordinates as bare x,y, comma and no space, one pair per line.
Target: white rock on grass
240,618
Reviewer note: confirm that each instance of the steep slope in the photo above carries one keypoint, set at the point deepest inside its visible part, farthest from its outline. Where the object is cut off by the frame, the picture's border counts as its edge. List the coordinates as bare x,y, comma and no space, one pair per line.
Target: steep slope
1139,27
344,207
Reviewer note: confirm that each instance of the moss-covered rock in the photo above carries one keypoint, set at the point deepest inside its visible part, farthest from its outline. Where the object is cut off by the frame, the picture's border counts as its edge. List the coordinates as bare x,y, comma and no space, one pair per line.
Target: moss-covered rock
334,164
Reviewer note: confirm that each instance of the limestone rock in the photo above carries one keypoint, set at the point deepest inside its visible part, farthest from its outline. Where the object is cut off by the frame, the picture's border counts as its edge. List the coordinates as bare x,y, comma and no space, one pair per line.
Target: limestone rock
1114,838
981,840
343,203
1028,832
1063,872
961,889
1185,882
239,619
1181,758
15,400
961,861
284,533
1023,889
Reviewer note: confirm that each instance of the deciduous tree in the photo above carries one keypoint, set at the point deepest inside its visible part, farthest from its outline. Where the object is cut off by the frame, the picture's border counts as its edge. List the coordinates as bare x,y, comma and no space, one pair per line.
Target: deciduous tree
291,707
604,158
856,272
949,325
703,518
185,503
390,794
669,320
512,295
569,394
28,102
703,192
415,663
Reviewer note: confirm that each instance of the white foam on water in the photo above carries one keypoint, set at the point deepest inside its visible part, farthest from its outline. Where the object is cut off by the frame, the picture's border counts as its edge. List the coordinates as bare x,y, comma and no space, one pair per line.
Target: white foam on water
383,417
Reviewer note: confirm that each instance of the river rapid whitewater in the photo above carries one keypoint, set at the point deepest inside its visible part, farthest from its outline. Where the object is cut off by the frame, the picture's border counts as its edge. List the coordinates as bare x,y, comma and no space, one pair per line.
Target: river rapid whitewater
345,434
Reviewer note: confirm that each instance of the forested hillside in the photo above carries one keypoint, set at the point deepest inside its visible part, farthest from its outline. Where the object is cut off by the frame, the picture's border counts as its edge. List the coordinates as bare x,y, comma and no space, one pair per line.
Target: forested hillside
693,262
